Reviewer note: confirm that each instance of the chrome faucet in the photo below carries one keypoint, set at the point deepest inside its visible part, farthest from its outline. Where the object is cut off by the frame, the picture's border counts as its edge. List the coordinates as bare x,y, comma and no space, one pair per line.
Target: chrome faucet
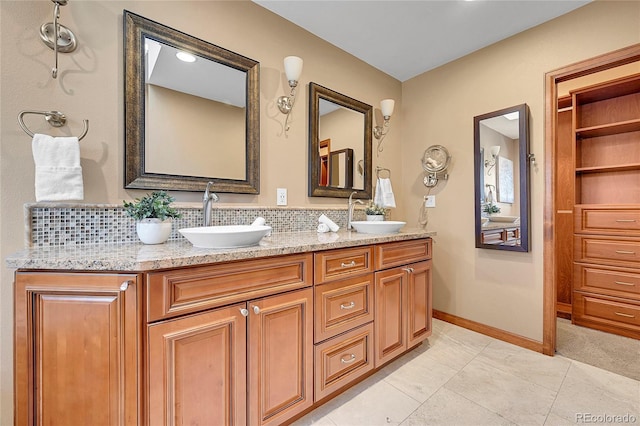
207,202
352,204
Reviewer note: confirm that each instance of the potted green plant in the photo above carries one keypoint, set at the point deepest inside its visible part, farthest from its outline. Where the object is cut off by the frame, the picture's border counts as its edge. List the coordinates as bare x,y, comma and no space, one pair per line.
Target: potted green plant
153,214
375,212
490,209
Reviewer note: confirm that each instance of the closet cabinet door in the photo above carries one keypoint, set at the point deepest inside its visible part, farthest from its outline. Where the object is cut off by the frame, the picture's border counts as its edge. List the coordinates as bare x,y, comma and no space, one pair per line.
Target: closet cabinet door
76,340
280,357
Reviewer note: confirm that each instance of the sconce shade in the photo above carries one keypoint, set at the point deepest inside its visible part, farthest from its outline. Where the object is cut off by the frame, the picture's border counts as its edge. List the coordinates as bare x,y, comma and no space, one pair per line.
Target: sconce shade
386,106
292,67
495,150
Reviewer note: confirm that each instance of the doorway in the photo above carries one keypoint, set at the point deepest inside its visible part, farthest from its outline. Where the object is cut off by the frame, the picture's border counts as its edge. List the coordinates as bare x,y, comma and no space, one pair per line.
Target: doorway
552,225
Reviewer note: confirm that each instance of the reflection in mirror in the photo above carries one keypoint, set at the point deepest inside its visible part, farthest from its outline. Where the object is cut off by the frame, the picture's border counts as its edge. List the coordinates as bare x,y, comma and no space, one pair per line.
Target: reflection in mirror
501,141
339,144
188,121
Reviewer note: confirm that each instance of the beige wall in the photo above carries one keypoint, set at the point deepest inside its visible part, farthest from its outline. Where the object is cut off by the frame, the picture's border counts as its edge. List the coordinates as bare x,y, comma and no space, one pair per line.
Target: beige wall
500,289
90,86
437,107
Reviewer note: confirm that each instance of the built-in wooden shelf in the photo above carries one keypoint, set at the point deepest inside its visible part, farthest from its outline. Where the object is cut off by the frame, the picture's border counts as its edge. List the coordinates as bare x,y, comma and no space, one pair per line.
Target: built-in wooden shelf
609,129
611,168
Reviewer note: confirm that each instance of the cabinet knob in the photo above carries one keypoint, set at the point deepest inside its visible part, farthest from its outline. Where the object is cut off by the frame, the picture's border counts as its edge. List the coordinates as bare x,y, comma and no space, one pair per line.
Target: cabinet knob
256,310
244,312
125,285
409,270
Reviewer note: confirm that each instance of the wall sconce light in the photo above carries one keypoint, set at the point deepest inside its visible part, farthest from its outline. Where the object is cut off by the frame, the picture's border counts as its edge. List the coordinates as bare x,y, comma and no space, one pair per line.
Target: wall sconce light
379,132
293,69
495,150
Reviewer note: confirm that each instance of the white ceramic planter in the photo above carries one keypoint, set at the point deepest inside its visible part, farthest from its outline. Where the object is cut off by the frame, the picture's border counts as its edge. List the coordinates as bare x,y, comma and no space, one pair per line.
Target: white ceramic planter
376,217
153,231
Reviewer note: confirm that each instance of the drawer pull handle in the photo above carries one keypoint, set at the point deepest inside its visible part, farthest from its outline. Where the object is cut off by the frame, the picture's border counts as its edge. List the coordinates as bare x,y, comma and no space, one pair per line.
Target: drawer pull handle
625,220
623,283
244,312
349,360
625,252
621,314
351,305
348,265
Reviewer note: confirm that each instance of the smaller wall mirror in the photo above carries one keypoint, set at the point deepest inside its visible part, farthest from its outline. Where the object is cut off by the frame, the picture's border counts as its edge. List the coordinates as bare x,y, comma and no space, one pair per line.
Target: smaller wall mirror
339,144
501,149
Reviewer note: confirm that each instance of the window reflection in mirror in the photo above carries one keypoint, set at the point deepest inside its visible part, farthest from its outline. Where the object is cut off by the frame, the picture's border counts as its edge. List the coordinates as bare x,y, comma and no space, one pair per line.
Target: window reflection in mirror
502,179
339,144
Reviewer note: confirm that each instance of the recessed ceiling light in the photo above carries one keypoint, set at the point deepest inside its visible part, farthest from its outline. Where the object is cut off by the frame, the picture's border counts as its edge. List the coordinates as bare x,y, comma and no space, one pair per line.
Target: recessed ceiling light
186,57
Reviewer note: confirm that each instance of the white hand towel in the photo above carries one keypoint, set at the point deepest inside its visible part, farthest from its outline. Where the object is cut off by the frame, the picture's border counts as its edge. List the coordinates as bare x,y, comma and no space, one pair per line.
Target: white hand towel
58,171
384,193
331,224
259,221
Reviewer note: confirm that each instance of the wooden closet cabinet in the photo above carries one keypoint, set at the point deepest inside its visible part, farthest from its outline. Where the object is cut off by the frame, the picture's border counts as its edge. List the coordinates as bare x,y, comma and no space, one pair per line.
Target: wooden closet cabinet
606,278
403,299
76,348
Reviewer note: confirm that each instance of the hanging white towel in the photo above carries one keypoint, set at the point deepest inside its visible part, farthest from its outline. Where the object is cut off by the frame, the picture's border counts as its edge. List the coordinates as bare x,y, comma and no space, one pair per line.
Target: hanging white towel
58,171
384,193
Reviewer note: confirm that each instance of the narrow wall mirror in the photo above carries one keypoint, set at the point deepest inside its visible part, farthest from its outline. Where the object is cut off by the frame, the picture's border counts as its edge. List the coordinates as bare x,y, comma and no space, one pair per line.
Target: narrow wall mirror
339,144
188,121
501,149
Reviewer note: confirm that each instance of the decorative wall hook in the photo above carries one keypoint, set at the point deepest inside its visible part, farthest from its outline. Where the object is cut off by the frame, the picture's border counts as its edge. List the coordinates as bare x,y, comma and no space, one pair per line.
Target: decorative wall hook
56,36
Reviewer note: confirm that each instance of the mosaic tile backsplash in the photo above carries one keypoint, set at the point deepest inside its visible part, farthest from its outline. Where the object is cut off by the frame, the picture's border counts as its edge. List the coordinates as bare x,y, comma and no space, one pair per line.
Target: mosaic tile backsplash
77,224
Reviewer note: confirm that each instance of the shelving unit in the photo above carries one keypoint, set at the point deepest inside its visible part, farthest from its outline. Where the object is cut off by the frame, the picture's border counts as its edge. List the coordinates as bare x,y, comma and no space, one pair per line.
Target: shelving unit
606,241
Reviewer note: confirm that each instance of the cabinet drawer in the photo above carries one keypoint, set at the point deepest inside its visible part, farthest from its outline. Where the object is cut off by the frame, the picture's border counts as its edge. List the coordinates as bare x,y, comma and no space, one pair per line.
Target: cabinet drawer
342,360
612,281
333,265
588,309
182,291
342,305
617,251
400,253
607,221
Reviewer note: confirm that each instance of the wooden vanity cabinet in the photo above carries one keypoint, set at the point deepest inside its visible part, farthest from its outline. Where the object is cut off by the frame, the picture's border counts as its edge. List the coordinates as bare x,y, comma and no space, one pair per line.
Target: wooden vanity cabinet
77,339
403,298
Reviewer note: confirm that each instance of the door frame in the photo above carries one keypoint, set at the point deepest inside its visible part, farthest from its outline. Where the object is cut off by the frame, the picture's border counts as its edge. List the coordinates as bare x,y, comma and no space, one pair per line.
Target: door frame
552,78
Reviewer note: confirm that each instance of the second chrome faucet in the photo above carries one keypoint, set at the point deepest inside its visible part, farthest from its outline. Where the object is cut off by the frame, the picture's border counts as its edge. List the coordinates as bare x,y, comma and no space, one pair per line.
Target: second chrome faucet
207,203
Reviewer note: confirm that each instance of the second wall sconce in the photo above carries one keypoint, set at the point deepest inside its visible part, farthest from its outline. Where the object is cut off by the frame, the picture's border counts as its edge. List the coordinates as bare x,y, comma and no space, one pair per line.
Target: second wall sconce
293,69
495,150
379,132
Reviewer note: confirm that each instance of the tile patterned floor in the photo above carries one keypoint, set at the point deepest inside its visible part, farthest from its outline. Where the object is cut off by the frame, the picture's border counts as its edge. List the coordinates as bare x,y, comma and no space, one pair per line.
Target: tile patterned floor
464,378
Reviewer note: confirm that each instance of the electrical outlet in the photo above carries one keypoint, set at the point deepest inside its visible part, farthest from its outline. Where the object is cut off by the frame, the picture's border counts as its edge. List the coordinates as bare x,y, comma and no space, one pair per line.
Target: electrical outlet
430,201
281,196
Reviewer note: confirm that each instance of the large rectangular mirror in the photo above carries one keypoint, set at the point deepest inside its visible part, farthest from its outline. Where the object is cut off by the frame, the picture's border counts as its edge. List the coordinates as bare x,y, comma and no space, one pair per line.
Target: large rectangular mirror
339,144
192,112
501,146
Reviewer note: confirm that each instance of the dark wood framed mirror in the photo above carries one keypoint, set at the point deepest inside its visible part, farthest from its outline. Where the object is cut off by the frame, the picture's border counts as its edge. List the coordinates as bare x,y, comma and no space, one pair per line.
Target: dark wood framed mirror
188,123
501,187
339,131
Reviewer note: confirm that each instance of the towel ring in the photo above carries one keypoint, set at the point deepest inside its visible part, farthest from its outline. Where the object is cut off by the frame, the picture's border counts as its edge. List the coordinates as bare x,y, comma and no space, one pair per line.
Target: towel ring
382,169
55,118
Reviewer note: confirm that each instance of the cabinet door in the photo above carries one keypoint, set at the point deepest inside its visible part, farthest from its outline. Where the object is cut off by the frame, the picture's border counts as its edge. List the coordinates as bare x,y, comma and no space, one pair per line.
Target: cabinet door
76,338
280,357
419,304
390,315
197,369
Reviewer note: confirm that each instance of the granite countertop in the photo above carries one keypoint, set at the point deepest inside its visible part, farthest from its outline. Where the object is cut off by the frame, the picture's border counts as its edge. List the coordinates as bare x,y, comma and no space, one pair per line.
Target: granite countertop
139,257
499,225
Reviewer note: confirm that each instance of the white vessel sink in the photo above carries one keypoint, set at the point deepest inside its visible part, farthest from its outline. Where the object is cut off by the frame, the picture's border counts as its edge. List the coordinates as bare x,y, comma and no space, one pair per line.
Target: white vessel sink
503,218
229,236
378,226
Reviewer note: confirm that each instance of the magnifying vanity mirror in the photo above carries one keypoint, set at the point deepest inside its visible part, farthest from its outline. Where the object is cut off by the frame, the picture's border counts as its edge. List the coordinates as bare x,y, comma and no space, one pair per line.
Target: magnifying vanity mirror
339,144
191,112
501,149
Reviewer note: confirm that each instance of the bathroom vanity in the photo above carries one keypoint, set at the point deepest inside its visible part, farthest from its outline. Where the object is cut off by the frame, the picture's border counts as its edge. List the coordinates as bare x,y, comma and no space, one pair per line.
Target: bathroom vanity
170,334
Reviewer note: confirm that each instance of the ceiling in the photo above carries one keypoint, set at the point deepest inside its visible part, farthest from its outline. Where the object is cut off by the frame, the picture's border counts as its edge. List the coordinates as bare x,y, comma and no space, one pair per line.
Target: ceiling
406,38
